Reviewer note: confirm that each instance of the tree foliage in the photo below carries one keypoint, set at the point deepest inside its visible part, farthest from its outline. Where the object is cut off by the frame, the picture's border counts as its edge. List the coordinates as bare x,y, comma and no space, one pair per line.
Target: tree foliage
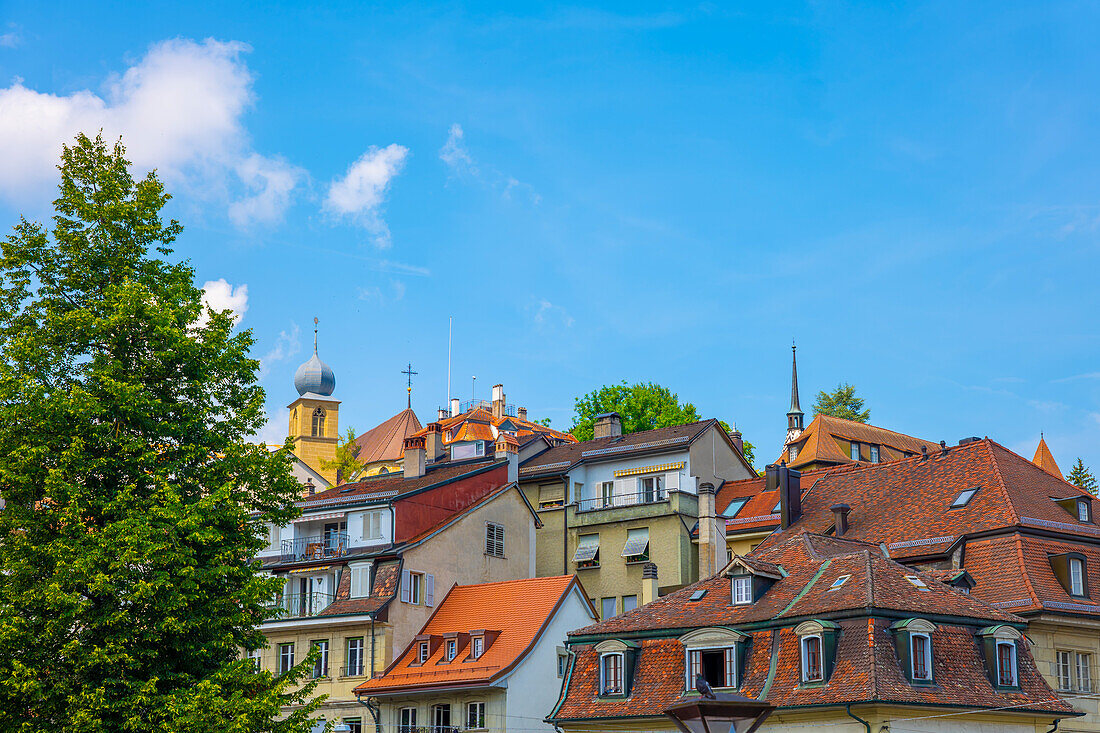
134,499
346,464
842,402
642,406
1082,477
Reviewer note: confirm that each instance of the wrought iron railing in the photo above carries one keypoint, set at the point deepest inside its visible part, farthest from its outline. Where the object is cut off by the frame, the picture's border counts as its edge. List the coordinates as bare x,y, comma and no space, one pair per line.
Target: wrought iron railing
317,547
297,605
629,499
509,410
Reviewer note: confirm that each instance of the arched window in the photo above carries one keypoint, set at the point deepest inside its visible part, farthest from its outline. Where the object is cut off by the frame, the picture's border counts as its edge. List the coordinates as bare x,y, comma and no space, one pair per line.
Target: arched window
318,423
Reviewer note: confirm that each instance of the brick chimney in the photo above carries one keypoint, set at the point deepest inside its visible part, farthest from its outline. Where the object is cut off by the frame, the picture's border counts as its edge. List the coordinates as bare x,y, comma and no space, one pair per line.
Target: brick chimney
521,412
443,414
712,539
498,400
454,406
508,447
649,583
608,424
415,459
433,442
309,489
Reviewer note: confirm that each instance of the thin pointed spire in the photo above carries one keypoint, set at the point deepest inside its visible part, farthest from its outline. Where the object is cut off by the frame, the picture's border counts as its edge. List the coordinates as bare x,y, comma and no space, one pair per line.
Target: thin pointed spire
794,380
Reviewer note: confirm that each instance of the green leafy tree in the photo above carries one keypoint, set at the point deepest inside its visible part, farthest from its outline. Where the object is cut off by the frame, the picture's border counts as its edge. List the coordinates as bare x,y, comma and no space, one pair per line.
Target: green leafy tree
841,402
642,406
134,498
346,464
1082,477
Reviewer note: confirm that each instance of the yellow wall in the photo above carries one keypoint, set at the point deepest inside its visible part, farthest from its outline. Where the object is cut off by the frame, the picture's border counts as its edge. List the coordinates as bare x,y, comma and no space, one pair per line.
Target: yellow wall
1050,634
312,449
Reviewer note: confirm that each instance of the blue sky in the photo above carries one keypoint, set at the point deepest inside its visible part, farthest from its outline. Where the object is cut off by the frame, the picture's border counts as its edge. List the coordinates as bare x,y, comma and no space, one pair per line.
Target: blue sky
638,192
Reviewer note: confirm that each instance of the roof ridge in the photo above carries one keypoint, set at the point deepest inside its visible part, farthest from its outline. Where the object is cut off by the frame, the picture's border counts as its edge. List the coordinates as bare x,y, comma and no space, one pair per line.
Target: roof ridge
988,443
1024,573
876,427
870,580
874,667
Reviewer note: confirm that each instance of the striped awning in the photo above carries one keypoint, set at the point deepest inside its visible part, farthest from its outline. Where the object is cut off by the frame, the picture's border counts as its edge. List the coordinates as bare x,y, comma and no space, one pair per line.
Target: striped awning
636,544
310,570
650,469
587,550
319,517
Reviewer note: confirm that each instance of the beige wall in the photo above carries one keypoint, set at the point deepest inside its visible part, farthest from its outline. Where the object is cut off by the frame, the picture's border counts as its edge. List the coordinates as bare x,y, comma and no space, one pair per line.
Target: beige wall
1050,634
494,699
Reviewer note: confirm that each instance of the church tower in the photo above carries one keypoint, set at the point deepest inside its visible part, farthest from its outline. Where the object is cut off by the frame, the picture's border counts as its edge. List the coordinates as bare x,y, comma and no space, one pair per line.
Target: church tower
315,416
794,415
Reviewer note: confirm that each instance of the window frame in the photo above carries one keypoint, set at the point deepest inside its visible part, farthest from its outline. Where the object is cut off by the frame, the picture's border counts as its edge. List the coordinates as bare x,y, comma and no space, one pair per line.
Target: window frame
438,711
607,494
562,663
614,607
320,667
1084,504
348,656
655,492
1063,669
853,451
635,603
959,502
1014,671
450,649
494,539
472,705
926,657
741,502
406,719
1076,585
620,660
423,652
253,655
839,581
742,583
875,454
317,427
803,645
730,660
1083,685
416,595
477,647
792,453
283,665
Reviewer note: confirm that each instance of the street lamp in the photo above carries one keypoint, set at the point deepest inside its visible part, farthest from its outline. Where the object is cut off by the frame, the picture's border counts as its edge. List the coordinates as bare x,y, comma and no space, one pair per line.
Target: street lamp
725,713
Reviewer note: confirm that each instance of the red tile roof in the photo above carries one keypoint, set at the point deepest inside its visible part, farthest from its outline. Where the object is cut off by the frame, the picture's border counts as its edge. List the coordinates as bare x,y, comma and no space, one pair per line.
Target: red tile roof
826,439
392,484
518,609
459,427
384,442
1044,459
387,575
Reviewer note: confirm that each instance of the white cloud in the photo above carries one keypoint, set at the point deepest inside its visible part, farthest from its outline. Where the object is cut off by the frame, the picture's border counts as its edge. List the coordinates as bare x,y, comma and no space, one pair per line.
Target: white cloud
9,40
219,295
547,313
360,193
274,430
374,293
179,110
455,154
286,346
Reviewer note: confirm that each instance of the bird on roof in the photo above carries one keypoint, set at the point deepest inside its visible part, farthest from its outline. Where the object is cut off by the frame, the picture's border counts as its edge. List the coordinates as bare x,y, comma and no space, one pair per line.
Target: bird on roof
703,687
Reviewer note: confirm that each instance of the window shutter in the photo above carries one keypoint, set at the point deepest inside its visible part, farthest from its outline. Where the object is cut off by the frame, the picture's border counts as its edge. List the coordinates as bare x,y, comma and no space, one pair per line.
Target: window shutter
672,481
695,668
376,525
625,491
406,587
429,590
731,667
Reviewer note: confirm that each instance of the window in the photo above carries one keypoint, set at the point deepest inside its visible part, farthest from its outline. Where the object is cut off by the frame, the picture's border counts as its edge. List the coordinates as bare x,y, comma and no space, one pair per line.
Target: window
839,582
921,656
811,659
1006,663
452,649
353,664
1083,510
423,652
717,666
320,666
652,489
742,590
874,454
698,595
917,582
417,588
494,539
286,657
1076,577
1063,669
318,423
629,603
778,506
964,498
355,725
611,674
588,551
475,715
855,451
479,647
360,580
607,606
441,717
607,493
1084,673
406,720
372,526
637,545
734,506
792,453
563,662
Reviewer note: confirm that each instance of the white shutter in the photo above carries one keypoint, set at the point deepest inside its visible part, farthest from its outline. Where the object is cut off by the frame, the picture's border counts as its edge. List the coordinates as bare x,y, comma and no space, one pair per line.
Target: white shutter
366,534
672,481
360,581
406,587
429,590
376,525
625,491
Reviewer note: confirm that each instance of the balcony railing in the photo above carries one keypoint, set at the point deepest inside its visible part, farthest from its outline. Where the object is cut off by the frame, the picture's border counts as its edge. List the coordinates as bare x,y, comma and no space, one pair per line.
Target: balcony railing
509,410
631,499
297,605
317,547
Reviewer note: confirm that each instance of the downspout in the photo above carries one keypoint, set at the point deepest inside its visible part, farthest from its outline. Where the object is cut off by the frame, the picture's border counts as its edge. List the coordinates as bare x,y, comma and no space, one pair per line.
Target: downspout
1055,726
372,646
565,527
375,712
853,716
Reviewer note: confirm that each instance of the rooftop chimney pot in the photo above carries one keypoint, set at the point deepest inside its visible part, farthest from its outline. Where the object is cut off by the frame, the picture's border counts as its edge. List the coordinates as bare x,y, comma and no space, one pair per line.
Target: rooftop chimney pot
608,424
943,447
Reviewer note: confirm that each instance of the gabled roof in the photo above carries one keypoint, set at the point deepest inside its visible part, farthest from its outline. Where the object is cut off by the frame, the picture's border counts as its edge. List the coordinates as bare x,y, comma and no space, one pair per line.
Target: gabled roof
563,457
518,609
384,442
387,486
1045,460
907,504
387,576
820,442
479,424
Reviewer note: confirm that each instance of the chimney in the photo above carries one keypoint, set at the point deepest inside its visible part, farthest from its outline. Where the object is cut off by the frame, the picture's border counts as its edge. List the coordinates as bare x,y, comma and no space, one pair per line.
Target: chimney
840,518
735,436
310,488
433,442
508,447
608,424
454,406
443,414
414,457
498,400
649,583
521,413
709,533
923,453
943,447
790,495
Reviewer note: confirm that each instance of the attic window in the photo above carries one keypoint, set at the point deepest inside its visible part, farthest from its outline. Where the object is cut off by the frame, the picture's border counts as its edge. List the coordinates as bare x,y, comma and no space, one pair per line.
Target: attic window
917,582
347,490
422,655
742,590
698,595
734,507
1083,511
778,504
839,582
964,497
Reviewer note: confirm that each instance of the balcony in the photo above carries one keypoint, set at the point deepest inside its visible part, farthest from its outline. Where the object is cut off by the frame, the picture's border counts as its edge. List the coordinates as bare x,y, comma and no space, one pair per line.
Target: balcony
631,499
317,547
299,605
509,410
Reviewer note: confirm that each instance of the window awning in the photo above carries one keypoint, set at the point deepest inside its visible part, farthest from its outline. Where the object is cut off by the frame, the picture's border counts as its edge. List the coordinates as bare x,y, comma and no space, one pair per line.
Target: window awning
636,544
586,551
318,517
649,469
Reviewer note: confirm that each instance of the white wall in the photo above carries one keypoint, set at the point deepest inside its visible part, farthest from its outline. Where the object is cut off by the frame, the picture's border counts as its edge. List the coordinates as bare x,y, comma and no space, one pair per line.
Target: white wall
592,475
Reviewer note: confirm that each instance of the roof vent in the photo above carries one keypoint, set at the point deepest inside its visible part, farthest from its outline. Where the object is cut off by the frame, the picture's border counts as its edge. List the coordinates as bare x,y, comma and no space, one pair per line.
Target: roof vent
943,447
968,441
924,453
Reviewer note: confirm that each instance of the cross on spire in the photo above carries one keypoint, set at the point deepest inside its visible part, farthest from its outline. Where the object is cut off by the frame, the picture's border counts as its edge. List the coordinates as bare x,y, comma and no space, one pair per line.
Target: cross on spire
315,322
408,372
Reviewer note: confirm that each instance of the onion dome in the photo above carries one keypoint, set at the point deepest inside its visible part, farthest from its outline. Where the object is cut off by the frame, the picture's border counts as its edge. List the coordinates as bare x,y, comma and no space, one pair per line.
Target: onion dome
315,376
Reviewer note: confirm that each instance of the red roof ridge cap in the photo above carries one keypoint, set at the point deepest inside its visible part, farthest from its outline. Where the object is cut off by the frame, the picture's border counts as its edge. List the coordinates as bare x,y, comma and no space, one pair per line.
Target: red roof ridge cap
871,646
988,443
870,425
1023,568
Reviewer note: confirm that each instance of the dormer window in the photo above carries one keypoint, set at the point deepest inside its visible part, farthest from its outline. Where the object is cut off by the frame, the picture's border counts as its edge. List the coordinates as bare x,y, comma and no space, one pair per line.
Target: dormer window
874,454
734,506
742,590
714,654
855,451
792,453
913,641
617,658
422,652
1071,570
964,498
812,669
611,674
478,647
1084,513
1076,576
1000,643
817,649
1006,663
452,649
921,657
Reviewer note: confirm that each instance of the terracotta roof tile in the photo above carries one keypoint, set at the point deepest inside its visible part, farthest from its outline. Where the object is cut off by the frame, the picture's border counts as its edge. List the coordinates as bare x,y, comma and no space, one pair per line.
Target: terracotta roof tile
387,575
391,484
820,442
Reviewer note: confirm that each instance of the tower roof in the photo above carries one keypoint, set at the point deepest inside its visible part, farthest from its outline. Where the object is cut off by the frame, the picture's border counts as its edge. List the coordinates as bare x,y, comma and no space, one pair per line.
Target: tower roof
1044,459
384,442
315,376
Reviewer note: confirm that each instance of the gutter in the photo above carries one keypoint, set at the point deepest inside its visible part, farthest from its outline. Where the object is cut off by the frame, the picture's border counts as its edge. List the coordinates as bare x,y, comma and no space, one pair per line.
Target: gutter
375,712
853,716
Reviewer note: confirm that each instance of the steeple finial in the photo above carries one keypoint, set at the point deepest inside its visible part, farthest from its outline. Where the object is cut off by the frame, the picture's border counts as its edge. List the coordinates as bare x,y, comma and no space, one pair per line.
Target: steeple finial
795,414
408,371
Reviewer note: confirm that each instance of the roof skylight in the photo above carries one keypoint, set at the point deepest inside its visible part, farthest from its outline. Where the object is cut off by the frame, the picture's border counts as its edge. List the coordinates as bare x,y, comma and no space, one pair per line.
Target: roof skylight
964,497
839,582
734,506
698,595
920,584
